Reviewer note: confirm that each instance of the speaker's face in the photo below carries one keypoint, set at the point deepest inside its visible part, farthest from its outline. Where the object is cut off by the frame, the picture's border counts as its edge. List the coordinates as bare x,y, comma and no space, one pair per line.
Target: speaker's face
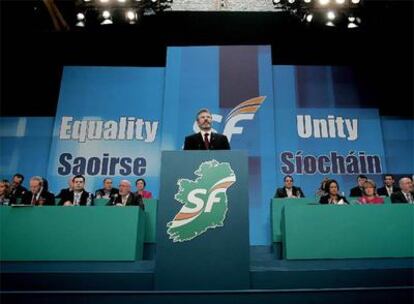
204,121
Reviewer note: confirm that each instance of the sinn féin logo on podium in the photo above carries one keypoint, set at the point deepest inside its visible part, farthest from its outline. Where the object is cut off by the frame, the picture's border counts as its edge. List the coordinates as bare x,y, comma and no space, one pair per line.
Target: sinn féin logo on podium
204,199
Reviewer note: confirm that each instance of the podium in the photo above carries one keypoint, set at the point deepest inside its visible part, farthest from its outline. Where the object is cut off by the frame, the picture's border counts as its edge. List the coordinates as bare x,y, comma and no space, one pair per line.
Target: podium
202,221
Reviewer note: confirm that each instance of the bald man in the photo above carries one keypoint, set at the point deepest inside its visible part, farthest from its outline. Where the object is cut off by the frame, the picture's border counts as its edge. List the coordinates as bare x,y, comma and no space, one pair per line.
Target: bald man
125,196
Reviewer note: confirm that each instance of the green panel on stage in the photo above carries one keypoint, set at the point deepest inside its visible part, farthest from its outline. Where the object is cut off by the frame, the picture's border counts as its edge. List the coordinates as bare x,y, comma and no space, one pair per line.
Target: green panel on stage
277,209
150,220
71,233
356,231
278,206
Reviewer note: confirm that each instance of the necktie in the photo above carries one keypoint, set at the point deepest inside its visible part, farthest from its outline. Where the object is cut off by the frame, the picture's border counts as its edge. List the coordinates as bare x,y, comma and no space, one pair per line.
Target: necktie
33,199
206,142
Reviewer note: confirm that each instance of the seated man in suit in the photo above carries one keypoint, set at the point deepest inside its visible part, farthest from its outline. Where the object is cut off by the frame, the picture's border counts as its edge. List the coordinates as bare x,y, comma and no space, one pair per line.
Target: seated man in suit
406,194
289,190
125,196
206,139
77,197
5,198
389,187
38,195
16,188
66,191
358,191
107,191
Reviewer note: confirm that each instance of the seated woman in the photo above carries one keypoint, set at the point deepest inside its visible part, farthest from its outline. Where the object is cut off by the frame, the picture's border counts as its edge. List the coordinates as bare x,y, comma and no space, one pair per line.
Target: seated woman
5,197
369,195
332,195
140,183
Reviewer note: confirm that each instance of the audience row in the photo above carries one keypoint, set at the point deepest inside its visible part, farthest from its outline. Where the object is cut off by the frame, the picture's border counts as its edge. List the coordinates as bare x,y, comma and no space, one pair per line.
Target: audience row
328,192
366,191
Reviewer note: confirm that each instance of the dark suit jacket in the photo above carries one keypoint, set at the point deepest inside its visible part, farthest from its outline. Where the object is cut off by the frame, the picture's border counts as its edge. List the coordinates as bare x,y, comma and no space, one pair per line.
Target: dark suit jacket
101,192
47,197
281,192
356,191
399,197
383,191
18,192
196,142
64,192
69,196
133,200
325,199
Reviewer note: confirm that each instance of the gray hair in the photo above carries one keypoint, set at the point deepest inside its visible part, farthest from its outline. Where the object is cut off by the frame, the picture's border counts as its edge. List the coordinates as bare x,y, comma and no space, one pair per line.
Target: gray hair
203,110
403,179
125,182
37,178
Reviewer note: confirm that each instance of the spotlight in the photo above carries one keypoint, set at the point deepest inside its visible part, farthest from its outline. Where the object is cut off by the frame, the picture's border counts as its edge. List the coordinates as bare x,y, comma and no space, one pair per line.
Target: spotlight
307,1
330,15
121,1
80,16
351,19
330,23
131,16
324,2
340,1
107,18
276,1
291,1
355,1
106,14
153,1
81,20
352,25
309,17
104,1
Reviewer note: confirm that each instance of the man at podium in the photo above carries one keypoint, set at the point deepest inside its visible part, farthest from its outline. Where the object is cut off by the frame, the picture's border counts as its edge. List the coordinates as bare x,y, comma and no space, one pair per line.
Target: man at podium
206,139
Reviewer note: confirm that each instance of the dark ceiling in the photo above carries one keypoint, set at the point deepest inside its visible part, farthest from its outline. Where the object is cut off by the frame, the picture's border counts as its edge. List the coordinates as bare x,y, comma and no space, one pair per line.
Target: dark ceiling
33,54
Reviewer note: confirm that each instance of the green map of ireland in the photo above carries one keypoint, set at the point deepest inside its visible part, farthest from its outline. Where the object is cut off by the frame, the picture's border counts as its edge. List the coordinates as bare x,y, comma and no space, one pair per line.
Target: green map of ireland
204,201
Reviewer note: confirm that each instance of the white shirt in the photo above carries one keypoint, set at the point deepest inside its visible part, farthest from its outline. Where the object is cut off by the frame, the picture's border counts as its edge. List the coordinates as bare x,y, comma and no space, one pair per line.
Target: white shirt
408,197
124,199
389,190
289,192
77,197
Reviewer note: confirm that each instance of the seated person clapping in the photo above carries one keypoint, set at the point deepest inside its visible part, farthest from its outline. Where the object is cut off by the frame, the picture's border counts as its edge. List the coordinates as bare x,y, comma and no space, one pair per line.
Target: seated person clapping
321,190
125,196
332,195
38,195
79,196
5,197
369,194
107,191
289,190
141,184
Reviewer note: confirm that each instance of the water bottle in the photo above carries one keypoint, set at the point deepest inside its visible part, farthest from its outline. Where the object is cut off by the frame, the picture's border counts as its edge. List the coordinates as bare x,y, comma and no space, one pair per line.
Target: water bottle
89,200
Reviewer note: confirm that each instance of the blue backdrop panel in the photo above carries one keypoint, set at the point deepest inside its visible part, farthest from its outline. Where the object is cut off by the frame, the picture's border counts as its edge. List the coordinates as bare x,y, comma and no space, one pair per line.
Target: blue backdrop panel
217,258
326,140
108,125
24,145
